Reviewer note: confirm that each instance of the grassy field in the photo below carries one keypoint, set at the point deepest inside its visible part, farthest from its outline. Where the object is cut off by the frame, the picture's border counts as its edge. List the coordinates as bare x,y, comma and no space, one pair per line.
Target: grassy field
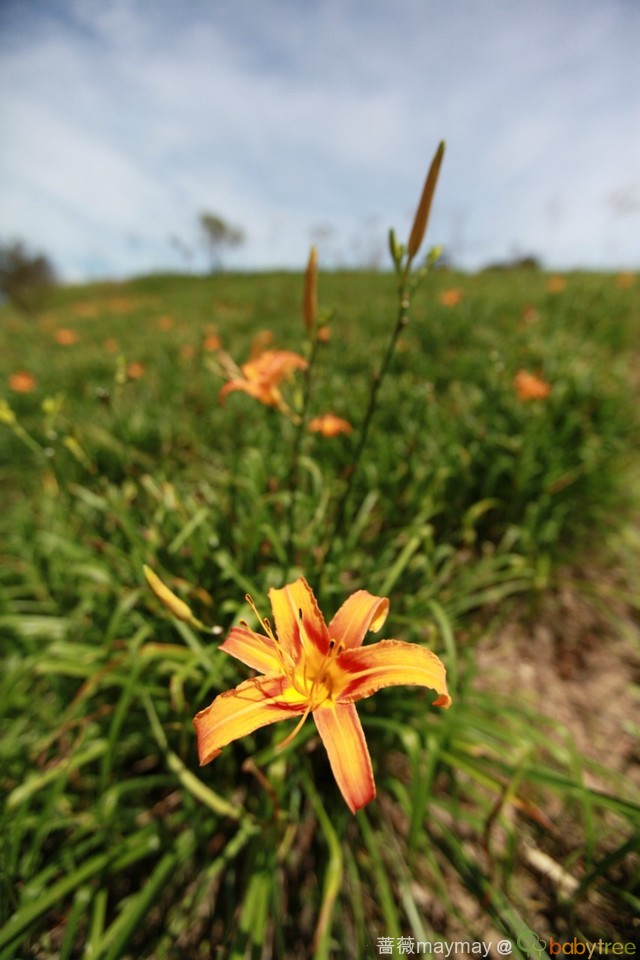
498,513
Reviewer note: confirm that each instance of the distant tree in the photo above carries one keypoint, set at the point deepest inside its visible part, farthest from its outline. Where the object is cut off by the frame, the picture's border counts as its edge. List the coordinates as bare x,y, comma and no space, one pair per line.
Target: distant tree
218,235
25,278
518,262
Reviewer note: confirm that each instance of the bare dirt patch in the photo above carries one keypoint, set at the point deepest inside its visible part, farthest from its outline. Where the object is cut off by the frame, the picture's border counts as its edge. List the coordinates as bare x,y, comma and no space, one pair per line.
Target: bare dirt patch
577,662
578,667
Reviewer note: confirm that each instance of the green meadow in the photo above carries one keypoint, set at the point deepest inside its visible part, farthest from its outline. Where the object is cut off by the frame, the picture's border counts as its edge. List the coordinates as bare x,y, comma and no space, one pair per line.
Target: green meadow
503,527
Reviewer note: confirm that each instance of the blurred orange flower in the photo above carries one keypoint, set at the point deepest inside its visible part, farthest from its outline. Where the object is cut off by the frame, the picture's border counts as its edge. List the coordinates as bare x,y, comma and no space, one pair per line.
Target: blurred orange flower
262,340
261,376
85,310
530,387
450,298
110,345
556,284
211,343
22,382
165,323
323,334
329,425
65,337
625,279
120,304
187,351
530,314
135,370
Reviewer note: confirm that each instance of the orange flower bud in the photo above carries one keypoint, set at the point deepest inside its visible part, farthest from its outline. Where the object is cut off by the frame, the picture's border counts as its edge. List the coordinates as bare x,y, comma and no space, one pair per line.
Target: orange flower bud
173,603
422,213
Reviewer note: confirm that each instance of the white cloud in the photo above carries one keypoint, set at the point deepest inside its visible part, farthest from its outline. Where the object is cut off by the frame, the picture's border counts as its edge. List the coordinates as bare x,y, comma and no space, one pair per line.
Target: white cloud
127,119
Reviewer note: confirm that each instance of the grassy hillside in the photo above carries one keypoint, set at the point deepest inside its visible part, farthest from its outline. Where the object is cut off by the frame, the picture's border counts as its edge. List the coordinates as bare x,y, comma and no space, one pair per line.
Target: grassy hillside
495,503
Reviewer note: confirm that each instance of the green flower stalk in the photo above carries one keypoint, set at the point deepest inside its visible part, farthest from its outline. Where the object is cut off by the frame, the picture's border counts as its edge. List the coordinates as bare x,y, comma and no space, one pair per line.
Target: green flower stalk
407,284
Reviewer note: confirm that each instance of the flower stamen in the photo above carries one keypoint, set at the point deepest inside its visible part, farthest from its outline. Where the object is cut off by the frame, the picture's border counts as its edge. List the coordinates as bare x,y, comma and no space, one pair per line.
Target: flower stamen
264,623
287,740
266,626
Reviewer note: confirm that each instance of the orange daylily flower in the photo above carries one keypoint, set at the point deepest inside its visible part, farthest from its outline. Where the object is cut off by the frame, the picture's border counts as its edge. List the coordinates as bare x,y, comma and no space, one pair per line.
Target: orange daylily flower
530,387
530,314
308,667
65,337
261,376
556,284
450,298
211,343
121,304
135,370
85,310
329,425
22,382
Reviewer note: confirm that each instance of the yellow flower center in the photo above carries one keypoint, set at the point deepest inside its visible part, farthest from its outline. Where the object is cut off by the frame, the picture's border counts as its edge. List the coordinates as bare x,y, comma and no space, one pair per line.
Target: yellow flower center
315,675
314,678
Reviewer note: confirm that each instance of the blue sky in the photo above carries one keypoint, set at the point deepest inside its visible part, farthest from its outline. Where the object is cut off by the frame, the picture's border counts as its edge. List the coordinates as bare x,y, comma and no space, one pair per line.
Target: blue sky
304,122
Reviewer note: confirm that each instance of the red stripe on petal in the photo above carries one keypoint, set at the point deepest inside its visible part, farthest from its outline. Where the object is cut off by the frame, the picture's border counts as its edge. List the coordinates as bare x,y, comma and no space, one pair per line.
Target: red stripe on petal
287,604
236,713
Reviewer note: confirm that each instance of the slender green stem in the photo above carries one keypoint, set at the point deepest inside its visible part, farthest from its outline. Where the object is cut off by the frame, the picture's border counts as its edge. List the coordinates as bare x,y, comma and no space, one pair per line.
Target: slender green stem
405,290
27,439
294,474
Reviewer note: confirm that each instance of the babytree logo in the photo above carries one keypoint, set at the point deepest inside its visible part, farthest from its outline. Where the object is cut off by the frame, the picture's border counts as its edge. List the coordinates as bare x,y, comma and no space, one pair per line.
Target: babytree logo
598,948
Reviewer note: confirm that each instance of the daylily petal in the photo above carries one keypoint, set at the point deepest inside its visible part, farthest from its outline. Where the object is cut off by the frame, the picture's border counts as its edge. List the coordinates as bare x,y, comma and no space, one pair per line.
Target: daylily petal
342,734
287,603
259,391
236,713
256,651
329,425
389,663
273,365
261,376
361,612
